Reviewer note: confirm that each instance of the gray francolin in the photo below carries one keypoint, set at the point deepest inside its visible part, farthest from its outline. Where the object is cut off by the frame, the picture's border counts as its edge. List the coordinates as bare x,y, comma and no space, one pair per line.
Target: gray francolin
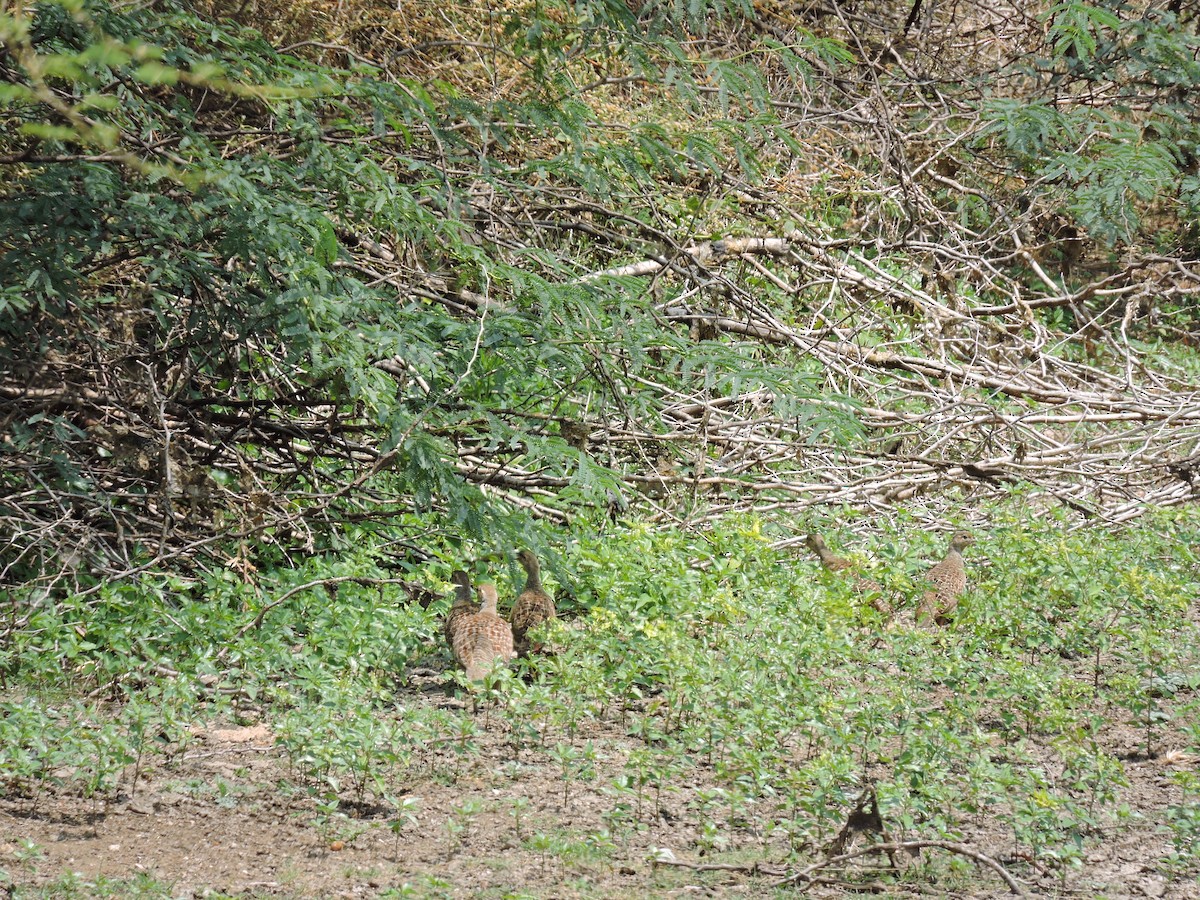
840,564
482,640
464,604
948,580
532,607
833,563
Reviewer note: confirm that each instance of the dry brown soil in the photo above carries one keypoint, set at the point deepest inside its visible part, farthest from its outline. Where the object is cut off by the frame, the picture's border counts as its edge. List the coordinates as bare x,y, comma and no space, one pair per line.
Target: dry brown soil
225,817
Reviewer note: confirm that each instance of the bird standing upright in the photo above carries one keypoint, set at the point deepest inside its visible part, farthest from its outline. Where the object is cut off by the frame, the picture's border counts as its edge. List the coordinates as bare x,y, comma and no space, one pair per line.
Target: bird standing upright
532,607
949,581
482,639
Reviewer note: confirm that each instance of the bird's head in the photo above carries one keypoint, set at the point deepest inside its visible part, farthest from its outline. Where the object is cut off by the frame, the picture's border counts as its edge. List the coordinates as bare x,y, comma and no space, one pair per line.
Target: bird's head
462,586
961,540
528,559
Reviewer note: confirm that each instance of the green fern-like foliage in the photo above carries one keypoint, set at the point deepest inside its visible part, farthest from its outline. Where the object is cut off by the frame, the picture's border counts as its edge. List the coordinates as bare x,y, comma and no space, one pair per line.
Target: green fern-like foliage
1107,161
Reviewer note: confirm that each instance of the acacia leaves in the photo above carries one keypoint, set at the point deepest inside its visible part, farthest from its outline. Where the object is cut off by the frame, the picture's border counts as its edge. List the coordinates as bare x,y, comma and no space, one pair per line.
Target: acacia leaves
1107,161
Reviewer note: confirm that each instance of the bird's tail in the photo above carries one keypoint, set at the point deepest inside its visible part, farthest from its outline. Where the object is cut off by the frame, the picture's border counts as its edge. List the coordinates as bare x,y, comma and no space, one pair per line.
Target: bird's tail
480,658
927,608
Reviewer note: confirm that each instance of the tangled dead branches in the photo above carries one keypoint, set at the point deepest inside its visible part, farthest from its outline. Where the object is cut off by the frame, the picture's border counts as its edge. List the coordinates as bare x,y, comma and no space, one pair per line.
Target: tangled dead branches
955,333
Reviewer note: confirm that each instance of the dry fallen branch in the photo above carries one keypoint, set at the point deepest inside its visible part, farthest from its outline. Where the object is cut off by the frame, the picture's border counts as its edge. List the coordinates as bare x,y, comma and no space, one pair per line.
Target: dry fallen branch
807,875
804,875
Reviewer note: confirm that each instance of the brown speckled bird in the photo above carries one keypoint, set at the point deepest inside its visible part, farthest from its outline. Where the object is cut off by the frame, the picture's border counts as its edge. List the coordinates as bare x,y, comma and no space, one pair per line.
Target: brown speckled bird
948,579
482,639
833,563
840,564
532,607
464,604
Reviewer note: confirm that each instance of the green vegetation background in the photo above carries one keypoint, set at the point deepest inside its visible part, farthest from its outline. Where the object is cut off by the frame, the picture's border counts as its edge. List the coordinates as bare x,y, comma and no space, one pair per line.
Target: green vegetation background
187,221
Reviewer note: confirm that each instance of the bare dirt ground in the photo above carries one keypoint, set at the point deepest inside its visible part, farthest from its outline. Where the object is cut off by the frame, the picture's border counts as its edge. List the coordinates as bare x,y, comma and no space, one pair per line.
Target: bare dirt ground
218,820
226,818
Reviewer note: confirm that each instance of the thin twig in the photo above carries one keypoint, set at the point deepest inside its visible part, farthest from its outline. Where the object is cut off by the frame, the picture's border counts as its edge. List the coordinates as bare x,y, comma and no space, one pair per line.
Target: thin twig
895,846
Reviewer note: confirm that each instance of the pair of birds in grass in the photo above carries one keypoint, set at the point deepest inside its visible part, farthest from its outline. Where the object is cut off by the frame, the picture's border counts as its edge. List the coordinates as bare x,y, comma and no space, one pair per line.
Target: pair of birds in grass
477,634
947,579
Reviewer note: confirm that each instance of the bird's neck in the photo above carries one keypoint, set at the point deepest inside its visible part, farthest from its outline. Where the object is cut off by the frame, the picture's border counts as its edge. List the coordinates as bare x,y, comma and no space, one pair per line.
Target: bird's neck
533,579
